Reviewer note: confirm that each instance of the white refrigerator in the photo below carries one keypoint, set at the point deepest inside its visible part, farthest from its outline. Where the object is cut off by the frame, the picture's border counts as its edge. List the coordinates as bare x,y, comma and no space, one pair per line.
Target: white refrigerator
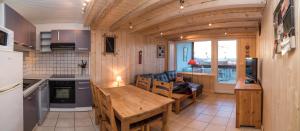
11,91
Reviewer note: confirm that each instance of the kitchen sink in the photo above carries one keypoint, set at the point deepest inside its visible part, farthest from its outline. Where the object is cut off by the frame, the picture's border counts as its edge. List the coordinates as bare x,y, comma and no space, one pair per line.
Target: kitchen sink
29,82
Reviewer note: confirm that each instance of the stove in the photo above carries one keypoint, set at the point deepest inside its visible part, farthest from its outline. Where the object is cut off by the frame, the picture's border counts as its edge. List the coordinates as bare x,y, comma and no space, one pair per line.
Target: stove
29,82
63,76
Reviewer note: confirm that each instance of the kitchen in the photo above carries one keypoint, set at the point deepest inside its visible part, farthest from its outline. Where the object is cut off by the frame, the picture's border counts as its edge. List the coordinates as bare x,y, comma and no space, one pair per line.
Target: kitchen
50,61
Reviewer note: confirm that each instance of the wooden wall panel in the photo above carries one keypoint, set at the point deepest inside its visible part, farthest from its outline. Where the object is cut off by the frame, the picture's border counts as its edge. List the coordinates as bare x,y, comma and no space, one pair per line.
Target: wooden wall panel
280,77
105,68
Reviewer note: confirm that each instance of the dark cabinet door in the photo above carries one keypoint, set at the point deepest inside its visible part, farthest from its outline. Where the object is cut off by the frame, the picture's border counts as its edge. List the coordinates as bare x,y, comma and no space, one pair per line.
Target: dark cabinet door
30,106
83,94
24,31
83,40
62,36
13,22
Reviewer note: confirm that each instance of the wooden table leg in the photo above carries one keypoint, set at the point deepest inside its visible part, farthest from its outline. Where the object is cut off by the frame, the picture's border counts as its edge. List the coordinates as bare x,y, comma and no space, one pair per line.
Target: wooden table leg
165,118
124,126
177,106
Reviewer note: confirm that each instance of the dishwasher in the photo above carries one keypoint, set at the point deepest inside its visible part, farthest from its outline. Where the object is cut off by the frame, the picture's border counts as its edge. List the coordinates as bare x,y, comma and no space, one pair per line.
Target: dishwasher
43,101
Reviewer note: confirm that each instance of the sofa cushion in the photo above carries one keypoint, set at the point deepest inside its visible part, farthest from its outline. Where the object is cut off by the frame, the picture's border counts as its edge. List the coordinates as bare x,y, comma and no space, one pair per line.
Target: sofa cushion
161,77
171,75
187,88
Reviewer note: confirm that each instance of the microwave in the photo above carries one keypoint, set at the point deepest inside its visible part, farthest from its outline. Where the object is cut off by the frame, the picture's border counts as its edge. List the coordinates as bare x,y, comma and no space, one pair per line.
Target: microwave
6,39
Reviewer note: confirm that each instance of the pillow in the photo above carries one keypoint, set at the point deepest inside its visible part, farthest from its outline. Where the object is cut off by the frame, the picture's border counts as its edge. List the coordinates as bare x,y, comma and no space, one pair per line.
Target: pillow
179,79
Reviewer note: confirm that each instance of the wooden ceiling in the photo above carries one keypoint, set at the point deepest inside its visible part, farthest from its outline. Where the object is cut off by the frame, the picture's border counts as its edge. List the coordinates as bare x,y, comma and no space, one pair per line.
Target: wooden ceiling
151,17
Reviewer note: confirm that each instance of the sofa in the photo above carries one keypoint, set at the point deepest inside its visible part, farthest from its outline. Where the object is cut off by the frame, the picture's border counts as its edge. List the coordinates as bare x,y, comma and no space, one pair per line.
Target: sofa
186,87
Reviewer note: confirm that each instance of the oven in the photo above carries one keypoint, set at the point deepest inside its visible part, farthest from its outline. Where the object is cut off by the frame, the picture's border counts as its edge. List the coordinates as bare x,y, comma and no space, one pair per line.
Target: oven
62,92
6,39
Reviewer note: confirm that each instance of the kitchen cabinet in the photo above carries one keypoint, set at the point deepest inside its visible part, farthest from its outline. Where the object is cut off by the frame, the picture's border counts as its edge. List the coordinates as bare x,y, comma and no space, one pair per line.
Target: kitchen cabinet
62,36
83,94
30,106
83,40
24,31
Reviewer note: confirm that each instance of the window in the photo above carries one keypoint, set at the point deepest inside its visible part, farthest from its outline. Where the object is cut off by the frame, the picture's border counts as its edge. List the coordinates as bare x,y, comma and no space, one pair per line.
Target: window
201,51
227,61
202,54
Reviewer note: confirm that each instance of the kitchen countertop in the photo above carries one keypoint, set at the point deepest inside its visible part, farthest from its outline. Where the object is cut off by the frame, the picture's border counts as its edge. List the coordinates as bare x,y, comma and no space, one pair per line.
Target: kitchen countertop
48,77
32,88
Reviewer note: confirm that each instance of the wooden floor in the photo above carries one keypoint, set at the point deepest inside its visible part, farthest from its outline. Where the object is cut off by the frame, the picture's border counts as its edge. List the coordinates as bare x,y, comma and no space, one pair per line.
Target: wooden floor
211,112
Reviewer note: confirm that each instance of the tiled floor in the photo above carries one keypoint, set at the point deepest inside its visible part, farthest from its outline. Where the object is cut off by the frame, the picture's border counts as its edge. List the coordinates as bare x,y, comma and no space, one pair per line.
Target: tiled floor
212,112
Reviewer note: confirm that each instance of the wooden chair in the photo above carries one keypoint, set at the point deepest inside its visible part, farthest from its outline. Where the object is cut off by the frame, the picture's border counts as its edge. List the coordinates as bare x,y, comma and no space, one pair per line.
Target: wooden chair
96,102
163,88
109,122
143,83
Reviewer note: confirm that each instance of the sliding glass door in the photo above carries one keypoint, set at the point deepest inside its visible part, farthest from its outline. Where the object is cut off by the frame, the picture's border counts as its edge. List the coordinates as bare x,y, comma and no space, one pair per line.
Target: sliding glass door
227,57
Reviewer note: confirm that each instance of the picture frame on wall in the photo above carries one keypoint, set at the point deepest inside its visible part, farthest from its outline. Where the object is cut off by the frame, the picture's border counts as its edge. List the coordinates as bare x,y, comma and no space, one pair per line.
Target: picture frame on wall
109,44
161,51
284,27
185,51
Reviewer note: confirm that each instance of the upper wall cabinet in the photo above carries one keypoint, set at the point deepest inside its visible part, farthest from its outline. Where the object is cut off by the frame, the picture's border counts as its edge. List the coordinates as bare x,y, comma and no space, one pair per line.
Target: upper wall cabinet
24,31
62,36
83,40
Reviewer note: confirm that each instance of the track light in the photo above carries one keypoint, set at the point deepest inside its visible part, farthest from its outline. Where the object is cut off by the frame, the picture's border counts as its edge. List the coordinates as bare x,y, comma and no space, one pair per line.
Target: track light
130,26
181,4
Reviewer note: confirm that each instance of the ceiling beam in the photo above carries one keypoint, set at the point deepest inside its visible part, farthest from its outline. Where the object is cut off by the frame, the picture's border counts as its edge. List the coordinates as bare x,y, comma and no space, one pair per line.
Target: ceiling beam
97,10
92,9
213,32
172,10
145,7
239,24
205,18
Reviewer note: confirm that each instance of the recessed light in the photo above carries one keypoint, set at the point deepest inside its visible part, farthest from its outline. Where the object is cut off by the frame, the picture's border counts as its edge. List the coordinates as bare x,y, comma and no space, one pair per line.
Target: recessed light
84,4
181,37
210,24
87,0
225,33
161,33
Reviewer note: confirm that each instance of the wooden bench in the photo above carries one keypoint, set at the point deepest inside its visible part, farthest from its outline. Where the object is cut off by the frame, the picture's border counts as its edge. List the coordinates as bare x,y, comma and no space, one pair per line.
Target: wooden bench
180,98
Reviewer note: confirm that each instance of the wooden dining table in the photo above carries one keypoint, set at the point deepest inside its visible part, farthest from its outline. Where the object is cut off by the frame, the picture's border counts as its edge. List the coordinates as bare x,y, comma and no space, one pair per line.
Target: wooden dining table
132,104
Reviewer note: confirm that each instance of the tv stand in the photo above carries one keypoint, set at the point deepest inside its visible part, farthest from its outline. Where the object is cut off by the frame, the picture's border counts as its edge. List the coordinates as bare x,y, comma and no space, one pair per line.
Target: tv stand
248,104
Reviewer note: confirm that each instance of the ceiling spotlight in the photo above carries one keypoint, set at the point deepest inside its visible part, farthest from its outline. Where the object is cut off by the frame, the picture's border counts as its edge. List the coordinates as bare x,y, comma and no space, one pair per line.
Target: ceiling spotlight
181,4
84,4
210,24
130,26
87,0
181,37
161,33
225,33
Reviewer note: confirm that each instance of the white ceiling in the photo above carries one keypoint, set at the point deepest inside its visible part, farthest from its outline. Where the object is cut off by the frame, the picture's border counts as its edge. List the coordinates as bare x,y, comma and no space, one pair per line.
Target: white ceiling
48,11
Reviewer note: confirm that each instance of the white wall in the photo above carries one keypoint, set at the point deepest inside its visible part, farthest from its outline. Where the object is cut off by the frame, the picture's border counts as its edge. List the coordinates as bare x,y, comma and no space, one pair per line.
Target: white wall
56,26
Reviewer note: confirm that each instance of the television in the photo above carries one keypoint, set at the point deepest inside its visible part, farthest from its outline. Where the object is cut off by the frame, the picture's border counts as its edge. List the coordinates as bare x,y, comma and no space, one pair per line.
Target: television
251,70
